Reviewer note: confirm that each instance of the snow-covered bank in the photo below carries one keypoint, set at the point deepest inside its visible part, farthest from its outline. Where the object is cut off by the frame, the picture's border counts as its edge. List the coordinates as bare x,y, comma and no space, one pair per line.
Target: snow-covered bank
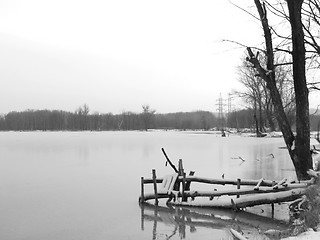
309,235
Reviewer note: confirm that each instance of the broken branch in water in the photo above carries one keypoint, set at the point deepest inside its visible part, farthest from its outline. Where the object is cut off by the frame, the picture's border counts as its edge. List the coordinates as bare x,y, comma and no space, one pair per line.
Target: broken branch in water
168,161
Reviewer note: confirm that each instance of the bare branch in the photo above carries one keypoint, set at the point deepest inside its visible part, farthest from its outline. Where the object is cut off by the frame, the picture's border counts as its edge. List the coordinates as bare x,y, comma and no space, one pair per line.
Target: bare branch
237,6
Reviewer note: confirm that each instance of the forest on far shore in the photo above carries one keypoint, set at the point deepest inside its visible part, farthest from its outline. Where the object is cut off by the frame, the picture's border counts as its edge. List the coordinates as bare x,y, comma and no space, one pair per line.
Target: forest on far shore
82,120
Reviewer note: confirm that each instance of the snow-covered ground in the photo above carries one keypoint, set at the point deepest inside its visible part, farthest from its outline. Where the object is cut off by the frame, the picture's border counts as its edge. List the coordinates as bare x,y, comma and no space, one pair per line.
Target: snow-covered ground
309,235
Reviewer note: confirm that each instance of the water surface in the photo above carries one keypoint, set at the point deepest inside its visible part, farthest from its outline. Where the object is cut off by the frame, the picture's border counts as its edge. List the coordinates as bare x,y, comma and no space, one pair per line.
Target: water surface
85,185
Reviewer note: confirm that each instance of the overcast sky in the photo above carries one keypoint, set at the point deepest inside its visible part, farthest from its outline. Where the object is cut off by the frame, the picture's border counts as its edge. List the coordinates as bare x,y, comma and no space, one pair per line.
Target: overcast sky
120,54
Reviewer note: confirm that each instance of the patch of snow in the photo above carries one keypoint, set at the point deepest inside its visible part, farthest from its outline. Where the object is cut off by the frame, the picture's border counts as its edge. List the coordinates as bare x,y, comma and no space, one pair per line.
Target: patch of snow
309,235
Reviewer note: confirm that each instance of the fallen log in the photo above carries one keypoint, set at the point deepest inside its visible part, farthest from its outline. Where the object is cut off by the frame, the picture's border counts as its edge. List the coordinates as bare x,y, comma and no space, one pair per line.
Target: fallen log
247,201
228,182
246,182
243,191
212,194
266,198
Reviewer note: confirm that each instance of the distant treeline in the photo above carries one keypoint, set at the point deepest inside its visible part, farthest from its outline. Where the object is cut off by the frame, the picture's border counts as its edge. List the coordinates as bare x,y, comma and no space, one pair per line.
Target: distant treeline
55,120
46,120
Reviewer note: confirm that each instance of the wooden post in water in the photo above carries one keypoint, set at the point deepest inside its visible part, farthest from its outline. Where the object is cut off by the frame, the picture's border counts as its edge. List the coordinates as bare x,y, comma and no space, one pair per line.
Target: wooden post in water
154,179
142,190
182,173
238,185
187,186
184,198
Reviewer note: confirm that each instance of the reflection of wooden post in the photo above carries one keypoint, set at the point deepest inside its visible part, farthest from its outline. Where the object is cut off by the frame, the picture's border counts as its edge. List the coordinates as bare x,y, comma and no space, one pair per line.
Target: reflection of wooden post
142,217
154,178
238,185
154,230
272,205
142,190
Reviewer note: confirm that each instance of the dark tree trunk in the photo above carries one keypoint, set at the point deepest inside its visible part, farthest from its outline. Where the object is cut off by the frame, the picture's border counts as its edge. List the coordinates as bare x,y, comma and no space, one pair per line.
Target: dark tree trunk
301,158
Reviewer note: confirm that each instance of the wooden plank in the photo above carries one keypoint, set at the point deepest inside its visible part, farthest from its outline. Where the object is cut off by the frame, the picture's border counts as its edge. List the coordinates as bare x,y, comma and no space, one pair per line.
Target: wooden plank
238,185
187,186
168,183
142,190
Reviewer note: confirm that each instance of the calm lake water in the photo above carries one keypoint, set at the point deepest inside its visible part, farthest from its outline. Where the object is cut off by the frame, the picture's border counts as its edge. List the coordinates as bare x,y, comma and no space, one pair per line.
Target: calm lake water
85,185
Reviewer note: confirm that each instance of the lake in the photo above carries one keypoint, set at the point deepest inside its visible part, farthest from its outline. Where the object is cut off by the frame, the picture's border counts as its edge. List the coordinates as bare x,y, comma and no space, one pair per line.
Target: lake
85,185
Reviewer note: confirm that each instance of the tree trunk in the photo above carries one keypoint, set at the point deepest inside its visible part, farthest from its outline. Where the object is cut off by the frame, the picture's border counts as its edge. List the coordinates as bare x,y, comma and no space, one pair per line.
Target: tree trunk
301,155
300,150
261,123
269,118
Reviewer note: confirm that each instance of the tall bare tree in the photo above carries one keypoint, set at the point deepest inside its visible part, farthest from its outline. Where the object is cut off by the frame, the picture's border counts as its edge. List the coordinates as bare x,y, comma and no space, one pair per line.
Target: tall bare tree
298,145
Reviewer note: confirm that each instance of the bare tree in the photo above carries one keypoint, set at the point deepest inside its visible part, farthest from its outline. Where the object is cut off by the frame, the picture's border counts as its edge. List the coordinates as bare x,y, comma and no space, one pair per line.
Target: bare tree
298,145
253,93
147,116
257,95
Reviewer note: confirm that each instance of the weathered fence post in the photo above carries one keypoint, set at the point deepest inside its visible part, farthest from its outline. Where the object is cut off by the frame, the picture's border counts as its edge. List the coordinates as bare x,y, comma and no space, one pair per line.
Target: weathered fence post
154,179
183,175
187,186
181,171
184,198
142,190
238,185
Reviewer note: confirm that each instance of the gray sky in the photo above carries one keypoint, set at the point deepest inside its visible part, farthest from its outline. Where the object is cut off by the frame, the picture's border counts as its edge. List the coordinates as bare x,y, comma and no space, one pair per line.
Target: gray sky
120,54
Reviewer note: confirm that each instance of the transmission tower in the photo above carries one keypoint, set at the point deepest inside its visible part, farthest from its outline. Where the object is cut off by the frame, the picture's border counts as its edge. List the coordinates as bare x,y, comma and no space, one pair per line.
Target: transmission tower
220,112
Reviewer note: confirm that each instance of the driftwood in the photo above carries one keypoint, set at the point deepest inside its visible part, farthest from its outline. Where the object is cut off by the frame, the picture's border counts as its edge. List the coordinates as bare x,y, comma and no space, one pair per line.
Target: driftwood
246,182
258,184
243,191
237,234
283,182
255,192
247,201
168,161
259,191
212,194
228,182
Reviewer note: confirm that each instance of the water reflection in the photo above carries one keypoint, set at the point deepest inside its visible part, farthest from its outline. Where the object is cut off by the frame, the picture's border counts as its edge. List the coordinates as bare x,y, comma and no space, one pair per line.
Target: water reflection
53,181
186,221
